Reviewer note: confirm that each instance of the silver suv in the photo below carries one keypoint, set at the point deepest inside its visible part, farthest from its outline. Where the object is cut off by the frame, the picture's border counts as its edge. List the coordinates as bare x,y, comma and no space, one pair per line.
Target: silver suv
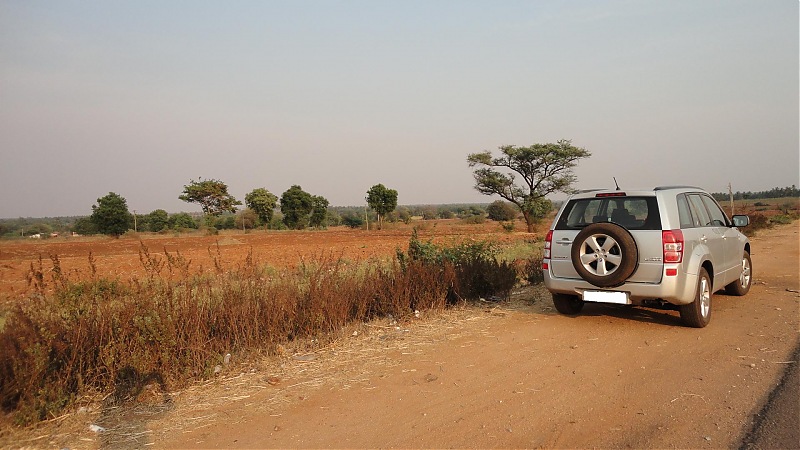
666,247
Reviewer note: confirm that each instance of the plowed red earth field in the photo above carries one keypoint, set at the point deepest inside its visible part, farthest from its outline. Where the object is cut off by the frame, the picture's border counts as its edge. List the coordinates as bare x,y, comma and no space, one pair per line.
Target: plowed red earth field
508,375
121,257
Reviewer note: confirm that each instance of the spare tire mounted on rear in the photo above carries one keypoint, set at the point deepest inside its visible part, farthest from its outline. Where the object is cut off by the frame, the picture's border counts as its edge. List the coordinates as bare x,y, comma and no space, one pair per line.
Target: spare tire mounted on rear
605,254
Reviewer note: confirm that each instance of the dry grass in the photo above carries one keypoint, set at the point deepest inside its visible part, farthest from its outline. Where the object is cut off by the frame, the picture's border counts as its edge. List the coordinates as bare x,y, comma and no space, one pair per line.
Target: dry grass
146,337
266,384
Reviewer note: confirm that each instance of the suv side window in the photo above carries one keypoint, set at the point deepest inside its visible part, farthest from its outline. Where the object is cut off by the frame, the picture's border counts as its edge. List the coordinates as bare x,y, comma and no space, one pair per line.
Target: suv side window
684,213
699,213
718,218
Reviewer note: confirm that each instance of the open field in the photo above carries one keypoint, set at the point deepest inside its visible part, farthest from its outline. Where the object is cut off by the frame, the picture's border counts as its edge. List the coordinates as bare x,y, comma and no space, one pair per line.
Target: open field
769,207
119,258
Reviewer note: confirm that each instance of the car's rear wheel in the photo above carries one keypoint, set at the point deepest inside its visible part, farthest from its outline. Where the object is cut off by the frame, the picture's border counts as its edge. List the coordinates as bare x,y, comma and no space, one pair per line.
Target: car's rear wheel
698,313
567,304
604,254
742,286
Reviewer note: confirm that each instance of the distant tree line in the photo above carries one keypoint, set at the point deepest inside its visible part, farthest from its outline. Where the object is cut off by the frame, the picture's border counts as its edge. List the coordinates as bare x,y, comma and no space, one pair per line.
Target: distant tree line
161,221
26,226
357,216
263,210
295,209
776,192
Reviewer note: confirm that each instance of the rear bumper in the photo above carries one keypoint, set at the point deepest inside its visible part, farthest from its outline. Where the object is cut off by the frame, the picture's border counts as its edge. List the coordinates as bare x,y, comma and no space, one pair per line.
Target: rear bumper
679,289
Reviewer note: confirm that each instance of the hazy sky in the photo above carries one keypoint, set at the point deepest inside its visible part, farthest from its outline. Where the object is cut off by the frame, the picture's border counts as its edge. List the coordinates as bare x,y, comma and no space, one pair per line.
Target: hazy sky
140,97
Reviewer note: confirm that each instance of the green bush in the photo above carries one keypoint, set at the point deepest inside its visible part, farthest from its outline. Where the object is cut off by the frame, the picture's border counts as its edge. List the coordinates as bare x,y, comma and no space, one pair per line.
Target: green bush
533,270
477,269
784,219
182,221
352,221
502,211
474,220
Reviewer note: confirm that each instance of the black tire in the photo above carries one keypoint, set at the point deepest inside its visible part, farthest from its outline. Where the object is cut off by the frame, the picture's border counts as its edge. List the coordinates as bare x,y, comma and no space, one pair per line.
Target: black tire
698,313
569,305
742,286
604,254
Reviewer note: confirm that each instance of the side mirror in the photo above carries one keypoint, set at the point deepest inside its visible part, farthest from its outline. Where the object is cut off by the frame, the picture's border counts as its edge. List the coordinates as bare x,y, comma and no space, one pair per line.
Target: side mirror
740,220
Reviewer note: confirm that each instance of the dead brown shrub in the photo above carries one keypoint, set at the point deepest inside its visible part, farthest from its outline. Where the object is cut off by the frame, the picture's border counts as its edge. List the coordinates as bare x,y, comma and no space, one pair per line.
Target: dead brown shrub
73,337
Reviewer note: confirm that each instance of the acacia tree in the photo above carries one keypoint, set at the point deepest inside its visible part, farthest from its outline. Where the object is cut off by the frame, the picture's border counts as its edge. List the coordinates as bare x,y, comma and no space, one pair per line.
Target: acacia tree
110,215
296,206
543,168
382,200
263,203
212,195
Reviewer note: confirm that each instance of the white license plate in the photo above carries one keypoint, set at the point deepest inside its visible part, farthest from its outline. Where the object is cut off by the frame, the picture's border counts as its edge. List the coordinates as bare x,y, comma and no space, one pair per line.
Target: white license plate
620,298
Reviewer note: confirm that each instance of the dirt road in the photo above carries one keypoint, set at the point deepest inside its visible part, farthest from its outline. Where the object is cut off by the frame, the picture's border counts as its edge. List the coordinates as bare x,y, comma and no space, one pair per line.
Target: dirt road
510,375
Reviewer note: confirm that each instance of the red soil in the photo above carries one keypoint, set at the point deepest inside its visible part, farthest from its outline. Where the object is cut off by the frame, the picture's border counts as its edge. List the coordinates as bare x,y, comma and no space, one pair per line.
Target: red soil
120,258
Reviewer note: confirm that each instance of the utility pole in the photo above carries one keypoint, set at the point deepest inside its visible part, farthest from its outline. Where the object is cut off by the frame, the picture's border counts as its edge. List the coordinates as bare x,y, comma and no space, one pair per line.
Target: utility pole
730,194
134,221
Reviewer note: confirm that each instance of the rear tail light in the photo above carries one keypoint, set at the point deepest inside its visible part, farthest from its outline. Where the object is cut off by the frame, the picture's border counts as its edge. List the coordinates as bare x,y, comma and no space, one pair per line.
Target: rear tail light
548,244
673,245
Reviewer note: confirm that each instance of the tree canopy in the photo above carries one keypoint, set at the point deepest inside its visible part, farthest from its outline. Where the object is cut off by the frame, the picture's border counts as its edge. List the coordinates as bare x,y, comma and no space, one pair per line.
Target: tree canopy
319,212
212,195
543,169
110,215
246,218
263,203
296,206
182,220
158,220
352,220
84,225
382,200
500,211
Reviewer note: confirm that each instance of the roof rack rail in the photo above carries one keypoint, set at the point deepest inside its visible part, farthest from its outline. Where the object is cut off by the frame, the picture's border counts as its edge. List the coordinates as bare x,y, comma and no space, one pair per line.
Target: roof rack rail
584,191
662,188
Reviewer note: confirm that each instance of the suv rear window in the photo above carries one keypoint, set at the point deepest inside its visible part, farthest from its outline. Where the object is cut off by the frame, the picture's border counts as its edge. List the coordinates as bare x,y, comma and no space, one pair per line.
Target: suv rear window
633,213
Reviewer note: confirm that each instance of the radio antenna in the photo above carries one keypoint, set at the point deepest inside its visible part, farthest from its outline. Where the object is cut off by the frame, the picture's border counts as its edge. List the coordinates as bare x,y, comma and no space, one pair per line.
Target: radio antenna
615,182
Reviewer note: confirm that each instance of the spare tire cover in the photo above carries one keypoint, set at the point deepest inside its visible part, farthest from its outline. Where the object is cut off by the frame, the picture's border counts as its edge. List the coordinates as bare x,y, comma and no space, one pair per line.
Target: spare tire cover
604,254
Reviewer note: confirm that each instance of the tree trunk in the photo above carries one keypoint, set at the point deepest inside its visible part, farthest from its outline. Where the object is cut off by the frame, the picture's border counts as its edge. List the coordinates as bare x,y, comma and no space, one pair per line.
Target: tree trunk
528,221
